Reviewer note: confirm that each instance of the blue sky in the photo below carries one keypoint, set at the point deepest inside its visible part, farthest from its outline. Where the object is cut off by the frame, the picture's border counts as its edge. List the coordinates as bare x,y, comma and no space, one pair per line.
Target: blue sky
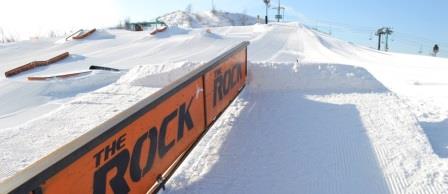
417,23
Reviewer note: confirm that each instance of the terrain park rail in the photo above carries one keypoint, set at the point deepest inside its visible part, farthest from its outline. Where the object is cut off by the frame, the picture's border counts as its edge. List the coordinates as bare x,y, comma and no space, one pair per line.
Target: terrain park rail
137,150
83,35
158,30
36,64
62,76
75,33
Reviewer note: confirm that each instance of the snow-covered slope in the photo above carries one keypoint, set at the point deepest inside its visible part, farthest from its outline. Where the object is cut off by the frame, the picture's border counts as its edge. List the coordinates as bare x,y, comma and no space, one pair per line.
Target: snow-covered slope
319,115
207,19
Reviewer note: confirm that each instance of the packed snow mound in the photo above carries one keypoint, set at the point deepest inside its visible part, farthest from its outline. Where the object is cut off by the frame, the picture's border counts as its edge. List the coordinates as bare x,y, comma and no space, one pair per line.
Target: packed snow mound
99,35
207,19
35,95
312,78
157,75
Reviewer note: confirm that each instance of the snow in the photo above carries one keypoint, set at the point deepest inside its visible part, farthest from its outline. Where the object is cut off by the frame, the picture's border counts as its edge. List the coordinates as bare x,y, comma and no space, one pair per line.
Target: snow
157,75
206,19
275,139
312,78
395,133
319,115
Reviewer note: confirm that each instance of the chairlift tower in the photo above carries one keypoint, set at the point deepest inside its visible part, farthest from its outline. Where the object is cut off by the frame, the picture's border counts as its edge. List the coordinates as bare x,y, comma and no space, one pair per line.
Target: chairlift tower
280,12
387,31
268,4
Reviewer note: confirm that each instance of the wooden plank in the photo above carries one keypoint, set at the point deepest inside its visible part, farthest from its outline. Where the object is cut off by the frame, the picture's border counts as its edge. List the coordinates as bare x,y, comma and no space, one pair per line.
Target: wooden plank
57,58
159,30
35,64
62,76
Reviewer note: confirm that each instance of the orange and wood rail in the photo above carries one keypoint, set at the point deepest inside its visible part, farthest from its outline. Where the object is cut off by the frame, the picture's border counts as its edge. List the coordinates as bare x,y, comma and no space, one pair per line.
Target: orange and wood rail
137,150
155,31
35,64
83,35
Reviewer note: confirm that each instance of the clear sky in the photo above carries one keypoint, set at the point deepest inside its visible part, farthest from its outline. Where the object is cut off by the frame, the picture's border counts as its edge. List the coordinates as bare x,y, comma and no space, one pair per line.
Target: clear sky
418,24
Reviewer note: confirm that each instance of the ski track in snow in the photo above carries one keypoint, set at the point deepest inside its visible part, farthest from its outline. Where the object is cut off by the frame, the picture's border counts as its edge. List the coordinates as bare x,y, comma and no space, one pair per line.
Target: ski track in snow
275,146
347,142
394,132
279,141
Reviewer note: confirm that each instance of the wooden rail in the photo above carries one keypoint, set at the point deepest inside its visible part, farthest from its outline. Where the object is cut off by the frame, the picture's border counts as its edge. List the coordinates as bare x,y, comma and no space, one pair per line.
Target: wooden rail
63,76
83,35
155,31
36,64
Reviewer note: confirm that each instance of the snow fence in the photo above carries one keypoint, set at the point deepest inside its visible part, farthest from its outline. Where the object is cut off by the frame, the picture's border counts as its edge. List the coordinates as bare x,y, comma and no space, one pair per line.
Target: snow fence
137,150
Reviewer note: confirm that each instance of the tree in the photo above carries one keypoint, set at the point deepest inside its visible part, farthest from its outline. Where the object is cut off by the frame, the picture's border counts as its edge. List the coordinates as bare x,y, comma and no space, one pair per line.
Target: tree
213,7
4,38
188,8
127,23
244,18
52,34
2,35
120,25
435,50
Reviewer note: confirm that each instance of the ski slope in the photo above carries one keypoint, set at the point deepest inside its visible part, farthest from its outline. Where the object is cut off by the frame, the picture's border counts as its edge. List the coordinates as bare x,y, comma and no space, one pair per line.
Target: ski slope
319,115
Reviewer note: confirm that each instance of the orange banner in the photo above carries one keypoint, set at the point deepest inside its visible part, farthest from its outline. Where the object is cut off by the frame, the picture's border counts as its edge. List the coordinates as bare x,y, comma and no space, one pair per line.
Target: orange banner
131,160
223,83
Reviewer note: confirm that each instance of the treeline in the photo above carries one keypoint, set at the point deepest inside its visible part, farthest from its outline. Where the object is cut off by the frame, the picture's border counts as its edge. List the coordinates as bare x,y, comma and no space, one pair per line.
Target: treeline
4,38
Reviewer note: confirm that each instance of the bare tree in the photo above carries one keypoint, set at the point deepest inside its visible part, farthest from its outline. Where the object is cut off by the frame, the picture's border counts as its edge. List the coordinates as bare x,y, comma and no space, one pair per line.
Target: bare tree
52,34
5,38
120,25
213,7
2,35
188,9
244,18
127,23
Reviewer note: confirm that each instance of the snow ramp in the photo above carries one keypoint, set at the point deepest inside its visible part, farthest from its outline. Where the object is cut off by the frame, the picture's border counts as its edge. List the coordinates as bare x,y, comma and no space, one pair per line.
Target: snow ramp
275,138
312,128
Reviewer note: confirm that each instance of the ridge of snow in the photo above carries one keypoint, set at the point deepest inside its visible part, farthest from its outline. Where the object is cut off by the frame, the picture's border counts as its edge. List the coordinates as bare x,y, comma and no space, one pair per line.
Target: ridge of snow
207,19
157,75
313,78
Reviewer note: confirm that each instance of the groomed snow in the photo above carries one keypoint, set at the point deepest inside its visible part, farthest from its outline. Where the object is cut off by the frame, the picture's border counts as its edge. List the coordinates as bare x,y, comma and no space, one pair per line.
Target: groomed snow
319,115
